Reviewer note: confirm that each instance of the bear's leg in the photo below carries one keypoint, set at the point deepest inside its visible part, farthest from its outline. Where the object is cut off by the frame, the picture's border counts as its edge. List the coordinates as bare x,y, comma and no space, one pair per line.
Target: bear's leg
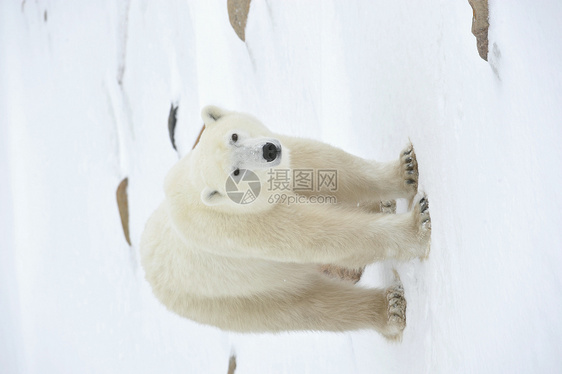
324,305
318,234
357,179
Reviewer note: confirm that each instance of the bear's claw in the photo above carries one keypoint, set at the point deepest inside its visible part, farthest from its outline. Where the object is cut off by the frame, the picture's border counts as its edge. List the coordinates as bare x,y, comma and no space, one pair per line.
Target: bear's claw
423,218
409,169
424,205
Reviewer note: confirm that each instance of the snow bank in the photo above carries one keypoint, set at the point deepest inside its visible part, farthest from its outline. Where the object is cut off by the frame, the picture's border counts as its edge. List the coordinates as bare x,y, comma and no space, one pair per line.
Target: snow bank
85,94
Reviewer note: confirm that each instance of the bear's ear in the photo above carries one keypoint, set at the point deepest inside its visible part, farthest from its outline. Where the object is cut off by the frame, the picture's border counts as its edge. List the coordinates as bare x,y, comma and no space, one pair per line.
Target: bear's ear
211,114
211,197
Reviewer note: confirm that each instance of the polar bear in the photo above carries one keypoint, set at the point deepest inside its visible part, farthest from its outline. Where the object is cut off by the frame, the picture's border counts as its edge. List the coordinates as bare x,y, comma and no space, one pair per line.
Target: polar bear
238,242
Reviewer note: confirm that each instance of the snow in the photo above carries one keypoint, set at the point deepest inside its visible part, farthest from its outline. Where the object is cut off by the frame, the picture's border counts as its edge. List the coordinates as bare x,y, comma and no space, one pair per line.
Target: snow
85,91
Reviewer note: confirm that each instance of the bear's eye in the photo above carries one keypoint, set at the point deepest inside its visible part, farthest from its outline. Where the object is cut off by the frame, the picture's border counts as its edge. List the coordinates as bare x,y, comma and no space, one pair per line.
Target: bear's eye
234,138
236,172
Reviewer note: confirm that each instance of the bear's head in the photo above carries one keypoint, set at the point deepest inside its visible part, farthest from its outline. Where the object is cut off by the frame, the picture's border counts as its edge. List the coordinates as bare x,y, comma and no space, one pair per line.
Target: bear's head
230,166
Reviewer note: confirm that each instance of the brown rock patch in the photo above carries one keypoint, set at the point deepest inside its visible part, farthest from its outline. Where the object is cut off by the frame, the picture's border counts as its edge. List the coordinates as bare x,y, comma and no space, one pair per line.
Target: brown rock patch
232,365
238,15
480,25
199,136
123,204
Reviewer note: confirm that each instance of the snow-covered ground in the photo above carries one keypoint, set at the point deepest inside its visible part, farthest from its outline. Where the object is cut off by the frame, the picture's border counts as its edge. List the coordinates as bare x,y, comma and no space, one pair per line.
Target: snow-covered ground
85,90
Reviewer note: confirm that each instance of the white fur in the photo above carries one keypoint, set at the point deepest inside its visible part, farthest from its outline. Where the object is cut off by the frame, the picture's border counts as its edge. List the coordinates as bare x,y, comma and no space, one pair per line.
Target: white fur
254,267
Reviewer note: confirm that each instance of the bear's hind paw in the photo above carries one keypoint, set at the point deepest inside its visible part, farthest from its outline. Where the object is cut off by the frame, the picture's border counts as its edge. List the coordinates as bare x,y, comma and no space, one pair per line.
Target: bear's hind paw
396,311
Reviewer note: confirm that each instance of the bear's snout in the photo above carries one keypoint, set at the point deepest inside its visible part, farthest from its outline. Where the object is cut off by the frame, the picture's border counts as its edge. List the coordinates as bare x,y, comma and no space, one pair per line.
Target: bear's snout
270,152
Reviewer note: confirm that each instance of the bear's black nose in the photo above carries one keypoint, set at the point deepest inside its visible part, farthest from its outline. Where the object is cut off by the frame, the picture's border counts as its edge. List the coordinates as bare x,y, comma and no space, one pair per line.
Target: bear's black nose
270,152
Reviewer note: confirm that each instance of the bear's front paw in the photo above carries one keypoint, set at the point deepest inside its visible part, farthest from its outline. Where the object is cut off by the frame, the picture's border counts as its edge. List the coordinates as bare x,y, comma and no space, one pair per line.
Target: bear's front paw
422,221
409,170
396,311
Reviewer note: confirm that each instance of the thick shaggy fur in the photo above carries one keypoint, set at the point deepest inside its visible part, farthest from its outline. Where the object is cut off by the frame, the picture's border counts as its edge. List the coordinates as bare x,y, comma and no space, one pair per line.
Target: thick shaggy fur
256,267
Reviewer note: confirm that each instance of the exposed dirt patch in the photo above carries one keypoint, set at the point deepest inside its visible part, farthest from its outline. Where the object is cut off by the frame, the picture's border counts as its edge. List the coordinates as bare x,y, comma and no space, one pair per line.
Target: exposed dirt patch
349,275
